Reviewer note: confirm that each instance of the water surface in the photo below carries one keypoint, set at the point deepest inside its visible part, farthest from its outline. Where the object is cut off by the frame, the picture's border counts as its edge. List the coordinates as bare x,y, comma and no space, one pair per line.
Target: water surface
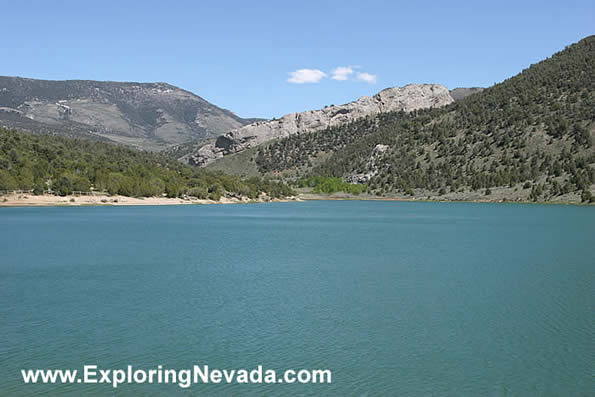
395,298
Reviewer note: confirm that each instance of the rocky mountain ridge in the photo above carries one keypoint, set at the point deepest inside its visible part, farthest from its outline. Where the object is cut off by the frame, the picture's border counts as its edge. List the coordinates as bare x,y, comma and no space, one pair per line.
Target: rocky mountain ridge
144,115
408,98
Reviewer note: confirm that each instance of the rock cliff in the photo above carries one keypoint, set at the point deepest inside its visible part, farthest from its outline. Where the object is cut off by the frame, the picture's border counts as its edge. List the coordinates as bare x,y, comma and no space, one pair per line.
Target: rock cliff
408,98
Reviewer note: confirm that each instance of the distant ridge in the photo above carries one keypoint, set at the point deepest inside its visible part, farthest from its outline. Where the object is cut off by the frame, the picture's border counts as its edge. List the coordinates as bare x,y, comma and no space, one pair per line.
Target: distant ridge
144,115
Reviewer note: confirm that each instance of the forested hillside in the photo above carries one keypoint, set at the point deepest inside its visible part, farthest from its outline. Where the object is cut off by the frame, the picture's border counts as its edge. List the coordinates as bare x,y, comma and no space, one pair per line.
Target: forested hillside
63,165
532,132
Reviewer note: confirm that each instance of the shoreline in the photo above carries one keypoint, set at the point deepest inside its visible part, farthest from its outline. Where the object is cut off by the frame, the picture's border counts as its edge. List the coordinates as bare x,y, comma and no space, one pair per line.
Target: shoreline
425,200
47,200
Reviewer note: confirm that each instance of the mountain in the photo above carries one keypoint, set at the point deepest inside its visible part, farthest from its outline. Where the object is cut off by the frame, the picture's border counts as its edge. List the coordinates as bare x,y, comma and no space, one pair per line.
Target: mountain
144,115
461,93
408,98
527,138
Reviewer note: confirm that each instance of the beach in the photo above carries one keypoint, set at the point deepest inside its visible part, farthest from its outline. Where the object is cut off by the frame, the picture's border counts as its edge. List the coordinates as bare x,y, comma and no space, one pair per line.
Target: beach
49,200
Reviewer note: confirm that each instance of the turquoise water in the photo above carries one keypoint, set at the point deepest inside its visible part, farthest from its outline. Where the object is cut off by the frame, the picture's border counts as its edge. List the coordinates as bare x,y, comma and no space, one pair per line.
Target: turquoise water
395,298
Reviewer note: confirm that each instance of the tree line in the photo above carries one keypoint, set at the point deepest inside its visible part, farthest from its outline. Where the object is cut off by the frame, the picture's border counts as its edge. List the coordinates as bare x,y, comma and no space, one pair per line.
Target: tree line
63,165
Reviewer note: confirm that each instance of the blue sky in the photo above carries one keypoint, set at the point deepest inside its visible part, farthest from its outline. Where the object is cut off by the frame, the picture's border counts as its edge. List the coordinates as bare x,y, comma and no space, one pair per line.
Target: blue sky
239,54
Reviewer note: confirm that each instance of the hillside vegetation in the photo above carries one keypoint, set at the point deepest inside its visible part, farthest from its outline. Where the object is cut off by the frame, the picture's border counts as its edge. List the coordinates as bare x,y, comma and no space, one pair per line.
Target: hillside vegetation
533,133
63,165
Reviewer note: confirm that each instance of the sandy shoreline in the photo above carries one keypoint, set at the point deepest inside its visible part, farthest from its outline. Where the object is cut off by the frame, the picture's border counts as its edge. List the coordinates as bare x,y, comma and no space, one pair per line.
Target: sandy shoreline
47,200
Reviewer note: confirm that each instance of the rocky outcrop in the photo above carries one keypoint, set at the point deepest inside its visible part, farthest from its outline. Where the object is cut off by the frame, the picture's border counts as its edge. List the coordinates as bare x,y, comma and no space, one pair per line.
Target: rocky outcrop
371,165
408,98
145,115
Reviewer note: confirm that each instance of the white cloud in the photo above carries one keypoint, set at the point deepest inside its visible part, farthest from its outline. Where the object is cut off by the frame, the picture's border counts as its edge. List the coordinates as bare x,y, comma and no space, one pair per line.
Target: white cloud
366,77
342,73
302,76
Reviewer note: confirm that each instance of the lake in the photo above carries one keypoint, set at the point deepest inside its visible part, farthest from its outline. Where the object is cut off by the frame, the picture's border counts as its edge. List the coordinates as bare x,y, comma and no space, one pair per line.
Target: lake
396,298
